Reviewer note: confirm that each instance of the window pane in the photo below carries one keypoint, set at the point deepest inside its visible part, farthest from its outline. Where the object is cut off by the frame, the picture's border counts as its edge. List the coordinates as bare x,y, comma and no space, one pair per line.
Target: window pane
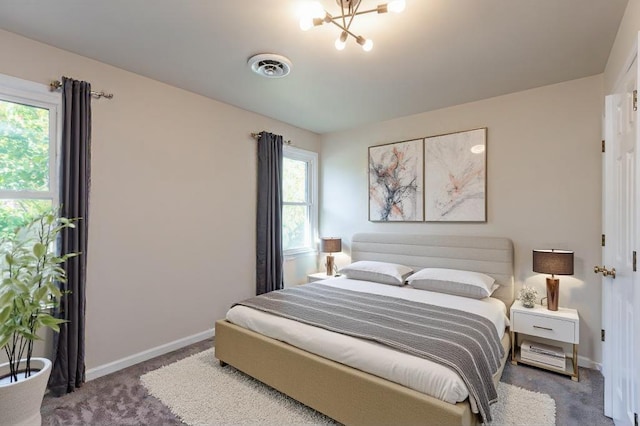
294,181
15,213
24,147
295,231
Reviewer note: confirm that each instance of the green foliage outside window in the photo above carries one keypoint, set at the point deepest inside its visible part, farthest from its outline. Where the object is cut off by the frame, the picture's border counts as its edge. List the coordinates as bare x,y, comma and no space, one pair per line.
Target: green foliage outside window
294,216
24,163
17,213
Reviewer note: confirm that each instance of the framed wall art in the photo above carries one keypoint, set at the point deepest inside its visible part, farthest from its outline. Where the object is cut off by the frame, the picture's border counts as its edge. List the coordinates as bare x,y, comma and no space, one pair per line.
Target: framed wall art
396,182
455,177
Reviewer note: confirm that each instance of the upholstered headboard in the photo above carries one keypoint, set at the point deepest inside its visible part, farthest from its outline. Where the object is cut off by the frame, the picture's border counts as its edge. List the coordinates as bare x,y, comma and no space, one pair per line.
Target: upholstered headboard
489,255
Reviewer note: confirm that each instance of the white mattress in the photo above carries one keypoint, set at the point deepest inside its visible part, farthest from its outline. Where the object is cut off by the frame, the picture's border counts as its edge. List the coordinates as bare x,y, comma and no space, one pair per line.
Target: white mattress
416,373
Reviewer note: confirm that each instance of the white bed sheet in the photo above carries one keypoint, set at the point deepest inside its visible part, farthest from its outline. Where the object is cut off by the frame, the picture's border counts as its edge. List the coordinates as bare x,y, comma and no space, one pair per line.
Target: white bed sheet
413,372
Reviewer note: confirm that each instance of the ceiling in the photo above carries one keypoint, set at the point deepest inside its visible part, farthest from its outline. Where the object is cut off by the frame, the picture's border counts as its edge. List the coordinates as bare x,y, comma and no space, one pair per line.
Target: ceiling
435,54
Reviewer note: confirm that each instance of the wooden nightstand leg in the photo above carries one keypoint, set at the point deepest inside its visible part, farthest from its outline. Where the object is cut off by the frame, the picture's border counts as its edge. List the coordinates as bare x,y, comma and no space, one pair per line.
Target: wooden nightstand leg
576,372
514,336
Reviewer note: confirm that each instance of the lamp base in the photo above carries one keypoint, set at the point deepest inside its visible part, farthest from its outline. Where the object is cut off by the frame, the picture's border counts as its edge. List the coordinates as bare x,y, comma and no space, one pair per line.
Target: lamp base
553,293
329,265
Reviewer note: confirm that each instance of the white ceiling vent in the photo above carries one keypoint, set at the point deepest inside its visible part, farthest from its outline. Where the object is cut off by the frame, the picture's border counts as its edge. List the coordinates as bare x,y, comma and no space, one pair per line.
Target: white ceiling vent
270,65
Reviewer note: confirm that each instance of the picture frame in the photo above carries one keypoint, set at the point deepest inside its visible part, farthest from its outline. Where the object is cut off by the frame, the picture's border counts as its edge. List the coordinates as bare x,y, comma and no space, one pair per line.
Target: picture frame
396,182
455,177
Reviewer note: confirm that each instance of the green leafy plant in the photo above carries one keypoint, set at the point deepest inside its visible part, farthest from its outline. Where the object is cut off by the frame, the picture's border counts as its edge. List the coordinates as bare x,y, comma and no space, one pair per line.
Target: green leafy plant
30,271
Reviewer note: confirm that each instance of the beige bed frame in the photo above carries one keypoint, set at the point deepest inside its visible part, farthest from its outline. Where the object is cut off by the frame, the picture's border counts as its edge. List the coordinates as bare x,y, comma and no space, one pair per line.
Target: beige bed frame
351,396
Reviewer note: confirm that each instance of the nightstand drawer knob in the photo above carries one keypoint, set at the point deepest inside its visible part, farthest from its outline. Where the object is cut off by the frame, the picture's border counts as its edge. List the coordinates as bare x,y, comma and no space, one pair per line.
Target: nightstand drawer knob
543,328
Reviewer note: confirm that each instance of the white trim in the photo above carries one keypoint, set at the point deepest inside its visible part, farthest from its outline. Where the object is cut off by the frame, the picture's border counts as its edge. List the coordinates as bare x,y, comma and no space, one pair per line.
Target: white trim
37,95
632,56
29,89
585,362
11,194
134,359
311,158
293,254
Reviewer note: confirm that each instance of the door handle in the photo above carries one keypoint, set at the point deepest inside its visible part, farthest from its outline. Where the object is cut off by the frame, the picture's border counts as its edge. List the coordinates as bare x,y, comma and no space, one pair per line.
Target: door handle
605,272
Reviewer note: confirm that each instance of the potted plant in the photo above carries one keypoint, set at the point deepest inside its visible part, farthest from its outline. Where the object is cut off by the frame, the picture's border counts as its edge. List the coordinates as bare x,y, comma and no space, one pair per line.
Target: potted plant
30,271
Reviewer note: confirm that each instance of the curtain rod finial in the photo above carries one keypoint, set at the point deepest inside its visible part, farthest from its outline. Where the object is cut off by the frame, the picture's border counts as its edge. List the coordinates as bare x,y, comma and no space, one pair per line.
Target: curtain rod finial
55,85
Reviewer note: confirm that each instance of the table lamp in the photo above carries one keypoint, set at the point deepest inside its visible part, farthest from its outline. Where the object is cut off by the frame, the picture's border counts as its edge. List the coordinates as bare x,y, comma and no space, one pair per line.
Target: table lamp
554,262
330,245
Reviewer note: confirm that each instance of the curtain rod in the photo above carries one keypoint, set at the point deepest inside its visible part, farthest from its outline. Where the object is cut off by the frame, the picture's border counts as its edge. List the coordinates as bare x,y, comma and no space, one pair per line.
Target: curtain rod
257,135
57,85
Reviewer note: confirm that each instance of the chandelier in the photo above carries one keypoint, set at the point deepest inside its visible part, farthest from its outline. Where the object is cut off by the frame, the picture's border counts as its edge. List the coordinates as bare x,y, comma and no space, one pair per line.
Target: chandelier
315,15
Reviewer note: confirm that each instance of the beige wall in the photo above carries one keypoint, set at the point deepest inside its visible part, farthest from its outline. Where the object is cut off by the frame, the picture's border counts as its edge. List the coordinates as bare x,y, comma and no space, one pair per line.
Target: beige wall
626,39
544,180
160,269
172,226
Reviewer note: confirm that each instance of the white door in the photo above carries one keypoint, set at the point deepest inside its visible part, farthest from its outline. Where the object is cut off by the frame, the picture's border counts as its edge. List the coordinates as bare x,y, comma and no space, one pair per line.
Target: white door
620,359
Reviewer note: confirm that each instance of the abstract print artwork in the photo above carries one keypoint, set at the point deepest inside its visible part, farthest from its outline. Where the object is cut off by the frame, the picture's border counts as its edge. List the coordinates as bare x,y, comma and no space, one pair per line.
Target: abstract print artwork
455,177
395,182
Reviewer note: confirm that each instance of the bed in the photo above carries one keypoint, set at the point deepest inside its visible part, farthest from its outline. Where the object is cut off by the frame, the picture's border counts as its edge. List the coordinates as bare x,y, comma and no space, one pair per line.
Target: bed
348,394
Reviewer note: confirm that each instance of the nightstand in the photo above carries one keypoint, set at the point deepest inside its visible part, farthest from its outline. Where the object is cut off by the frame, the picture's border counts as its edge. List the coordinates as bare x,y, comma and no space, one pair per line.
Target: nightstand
562,325
318,276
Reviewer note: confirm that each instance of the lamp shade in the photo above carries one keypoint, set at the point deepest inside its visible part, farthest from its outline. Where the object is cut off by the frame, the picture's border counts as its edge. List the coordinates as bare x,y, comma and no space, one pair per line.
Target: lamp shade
330,245
554,262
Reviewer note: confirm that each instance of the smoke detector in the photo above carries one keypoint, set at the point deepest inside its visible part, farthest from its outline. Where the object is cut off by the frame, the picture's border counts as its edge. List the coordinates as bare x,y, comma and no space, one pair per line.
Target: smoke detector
270,65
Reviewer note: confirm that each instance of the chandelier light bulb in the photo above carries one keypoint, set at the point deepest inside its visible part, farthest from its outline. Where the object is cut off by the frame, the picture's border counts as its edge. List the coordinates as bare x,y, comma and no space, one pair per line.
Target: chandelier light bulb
306,23
396,6
315,10
313,15
366,44
341,41
308,12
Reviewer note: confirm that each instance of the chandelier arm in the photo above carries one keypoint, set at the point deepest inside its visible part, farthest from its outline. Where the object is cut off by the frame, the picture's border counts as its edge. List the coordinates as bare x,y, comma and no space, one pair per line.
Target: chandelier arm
366,11
345,29
354,13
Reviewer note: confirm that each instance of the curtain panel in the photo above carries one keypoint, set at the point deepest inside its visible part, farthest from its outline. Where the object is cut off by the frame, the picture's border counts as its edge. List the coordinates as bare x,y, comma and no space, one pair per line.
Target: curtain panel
269,255
68,371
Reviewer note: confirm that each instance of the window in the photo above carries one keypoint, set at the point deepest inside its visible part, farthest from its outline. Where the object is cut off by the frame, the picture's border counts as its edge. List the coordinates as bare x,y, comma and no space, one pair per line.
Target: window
28,151
299,201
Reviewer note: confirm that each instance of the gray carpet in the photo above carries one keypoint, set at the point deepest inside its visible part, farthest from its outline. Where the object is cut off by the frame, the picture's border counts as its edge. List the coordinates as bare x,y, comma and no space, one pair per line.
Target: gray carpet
577,403
214,395
120,398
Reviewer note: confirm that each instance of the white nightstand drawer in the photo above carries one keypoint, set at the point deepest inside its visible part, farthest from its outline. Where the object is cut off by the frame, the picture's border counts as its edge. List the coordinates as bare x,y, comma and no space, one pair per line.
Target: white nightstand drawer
562,325
550,328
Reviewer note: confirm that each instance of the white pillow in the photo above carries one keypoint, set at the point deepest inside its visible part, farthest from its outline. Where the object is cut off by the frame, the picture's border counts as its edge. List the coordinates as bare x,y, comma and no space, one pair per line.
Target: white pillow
452,281
379,272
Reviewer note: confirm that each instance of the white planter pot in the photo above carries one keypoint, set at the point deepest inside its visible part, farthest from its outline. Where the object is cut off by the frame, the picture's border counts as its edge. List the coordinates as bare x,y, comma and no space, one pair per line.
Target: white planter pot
20,401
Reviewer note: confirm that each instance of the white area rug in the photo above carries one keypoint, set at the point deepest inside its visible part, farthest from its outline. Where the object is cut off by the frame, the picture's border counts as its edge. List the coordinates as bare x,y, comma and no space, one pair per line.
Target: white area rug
200,392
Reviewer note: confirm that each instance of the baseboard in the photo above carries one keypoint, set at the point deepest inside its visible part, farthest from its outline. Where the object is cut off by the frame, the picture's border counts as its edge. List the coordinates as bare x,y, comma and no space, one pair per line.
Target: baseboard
585,362
120,364
134,359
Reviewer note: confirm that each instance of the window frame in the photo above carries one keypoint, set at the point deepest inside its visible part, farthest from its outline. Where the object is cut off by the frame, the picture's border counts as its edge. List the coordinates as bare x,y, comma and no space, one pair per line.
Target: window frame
311,158
37,95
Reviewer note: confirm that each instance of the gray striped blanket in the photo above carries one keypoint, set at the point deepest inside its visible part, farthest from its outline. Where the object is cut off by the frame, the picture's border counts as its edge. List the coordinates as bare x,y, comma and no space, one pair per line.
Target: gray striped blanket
467,343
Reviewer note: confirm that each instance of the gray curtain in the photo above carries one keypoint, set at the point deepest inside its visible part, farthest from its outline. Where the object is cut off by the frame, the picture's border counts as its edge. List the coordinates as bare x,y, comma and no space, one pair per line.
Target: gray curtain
68,371
269,214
